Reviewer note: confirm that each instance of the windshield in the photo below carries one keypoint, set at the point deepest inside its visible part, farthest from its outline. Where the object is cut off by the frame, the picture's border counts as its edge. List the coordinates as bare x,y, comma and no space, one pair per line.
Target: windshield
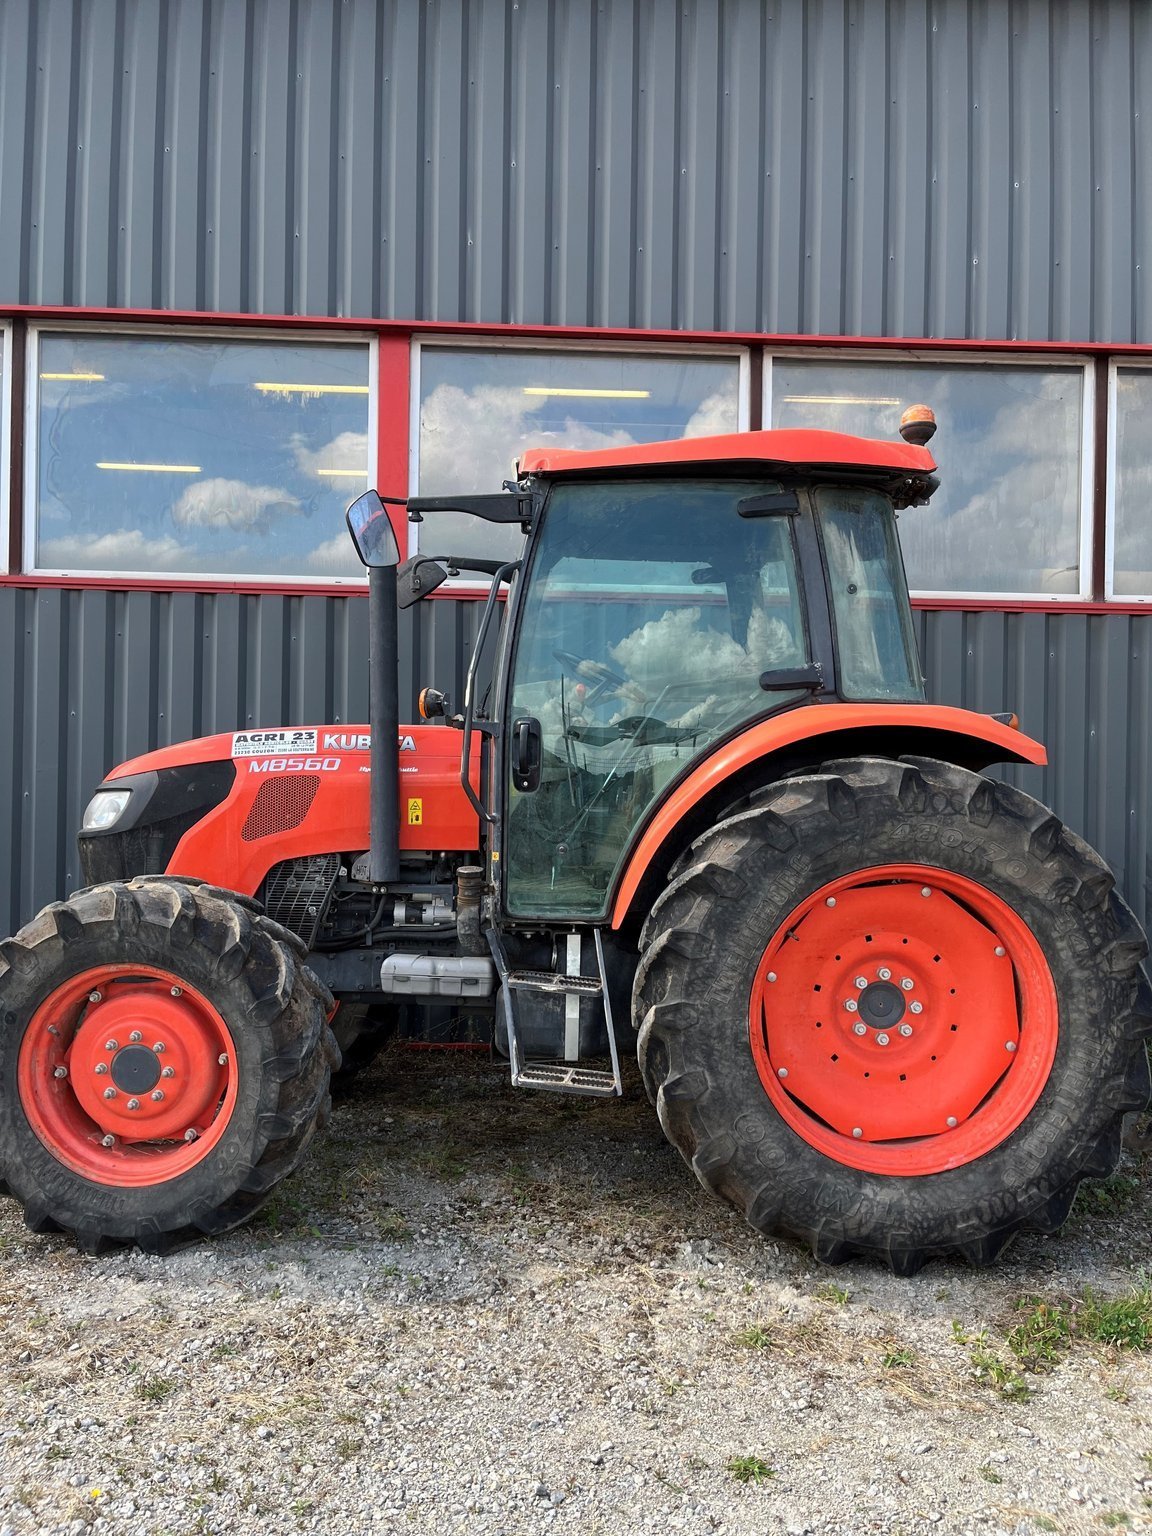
652,612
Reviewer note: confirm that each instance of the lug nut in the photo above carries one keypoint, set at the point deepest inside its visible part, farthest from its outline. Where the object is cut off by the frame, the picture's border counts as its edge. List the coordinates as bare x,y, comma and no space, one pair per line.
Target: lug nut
884,973
95,997
1009,1045
135,1037
782,1072
907,983
771,975
916,1007
133,1103
859,1029
881,1039
906,1030
830,901
157,1096
857,1132
109,1093
111,1045
852,1005
952,1122
60,1072
168,1072
177,991
861,982
999,950
159,1047
52,1030
107,1141
222,1059
925,890
101,1068
191,1135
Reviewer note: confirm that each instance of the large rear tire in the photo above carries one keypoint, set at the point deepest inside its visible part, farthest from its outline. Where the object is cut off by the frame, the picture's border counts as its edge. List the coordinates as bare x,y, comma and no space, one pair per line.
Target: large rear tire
164,1062
894,1009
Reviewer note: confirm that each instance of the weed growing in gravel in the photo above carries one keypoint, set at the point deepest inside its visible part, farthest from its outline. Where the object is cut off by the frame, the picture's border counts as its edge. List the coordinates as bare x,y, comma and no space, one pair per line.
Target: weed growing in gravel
838,1295
154,1389
989,1367
1110,1197
1115,1517
897,1356
989,1473
1125,1322
1043,1334
750,1469
756,1336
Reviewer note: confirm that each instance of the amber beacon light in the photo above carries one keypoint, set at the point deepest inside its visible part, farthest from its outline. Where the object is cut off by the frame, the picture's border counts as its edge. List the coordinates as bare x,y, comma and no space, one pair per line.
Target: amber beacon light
918,424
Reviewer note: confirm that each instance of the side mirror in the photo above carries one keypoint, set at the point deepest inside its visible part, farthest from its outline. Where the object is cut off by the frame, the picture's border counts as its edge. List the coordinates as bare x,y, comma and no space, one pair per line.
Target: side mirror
372,532
416,578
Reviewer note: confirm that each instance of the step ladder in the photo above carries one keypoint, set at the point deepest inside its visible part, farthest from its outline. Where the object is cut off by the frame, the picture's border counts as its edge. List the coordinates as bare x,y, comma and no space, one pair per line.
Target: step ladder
567,1075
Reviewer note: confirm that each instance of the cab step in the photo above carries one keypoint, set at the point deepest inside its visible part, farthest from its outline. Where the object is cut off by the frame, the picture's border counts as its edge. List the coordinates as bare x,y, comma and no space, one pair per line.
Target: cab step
567,1075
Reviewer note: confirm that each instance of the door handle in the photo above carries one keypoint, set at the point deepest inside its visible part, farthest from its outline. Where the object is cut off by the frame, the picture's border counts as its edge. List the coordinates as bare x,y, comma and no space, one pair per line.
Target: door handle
527,752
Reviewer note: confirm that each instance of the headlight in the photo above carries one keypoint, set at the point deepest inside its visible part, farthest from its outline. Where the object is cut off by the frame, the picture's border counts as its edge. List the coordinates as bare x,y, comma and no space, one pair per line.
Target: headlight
105,809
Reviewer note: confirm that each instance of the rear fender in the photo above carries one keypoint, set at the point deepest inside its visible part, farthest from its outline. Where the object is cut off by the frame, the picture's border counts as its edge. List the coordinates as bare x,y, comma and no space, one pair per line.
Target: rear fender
813,733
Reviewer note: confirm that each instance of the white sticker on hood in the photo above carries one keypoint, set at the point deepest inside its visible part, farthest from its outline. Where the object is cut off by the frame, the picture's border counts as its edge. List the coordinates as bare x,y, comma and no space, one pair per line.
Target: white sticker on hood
272,743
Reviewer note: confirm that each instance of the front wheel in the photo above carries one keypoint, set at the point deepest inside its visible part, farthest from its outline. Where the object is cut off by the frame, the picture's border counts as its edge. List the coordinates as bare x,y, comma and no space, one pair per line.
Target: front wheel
164,1063
894,1009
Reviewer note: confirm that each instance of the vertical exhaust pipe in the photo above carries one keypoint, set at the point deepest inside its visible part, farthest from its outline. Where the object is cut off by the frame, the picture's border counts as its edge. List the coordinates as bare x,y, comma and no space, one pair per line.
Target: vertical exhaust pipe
376,545
384,721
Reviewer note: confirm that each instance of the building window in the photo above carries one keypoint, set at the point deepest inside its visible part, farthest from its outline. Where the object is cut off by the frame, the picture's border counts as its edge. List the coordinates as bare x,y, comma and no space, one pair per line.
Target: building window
1130,483
1012,515
178,455
480,407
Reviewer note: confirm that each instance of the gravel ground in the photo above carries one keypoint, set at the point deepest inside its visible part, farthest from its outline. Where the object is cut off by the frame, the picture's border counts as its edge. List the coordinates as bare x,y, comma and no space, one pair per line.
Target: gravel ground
486,1311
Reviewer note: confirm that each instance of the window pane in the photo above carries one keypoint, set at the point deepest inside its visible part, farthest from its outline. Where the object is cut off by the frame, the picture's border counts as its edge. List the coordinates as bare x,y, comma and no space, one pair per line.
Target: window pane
1132,560
1007,515
230,458
479,410
875,646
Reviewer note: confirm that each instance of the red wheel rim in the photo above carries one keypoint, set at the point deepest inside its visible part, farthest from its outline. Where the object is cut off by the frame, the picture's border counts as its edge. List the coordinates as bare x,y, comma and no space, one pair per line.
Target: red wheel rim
127,1075
903,1020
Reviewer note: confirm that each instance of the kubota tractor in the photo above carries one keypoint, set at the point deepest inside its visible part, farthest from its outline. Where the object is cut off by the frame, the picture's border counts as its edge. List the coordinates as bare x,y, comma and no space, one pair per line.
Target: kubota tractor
882,1003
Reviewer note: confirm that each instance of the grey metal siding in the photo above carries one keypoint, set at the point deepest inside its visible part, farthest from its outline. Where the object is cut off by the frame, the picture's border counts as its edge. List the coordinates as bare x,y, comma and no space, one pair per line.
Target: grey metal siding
99,676
878,167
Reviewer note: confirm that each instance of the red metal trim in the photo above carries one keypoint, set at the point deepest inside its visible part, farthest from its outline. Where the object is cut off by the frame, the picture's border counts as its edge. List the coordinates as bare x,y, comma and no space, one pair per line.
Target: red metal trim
50,312
392,402
790,445
1026,605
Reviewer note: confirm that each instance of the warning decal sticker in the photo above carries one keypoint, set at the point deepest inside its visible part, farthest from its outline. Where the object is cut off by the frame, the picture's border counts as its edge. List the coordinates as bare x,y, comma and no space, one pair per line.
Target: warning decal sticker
272,743
415,813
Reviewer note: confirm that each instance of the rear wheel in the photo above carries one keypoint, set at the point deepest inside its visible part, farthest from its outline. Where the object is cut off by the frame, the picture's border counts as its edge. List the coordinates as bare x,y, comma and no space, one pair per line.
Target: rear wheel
164,1062
894,1008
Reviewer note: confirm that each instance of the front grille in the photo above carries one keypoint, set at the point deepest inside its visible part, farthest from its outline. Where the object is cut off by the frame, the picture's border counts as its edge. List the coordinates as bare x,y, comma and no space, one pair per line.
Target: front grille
280,804
296,893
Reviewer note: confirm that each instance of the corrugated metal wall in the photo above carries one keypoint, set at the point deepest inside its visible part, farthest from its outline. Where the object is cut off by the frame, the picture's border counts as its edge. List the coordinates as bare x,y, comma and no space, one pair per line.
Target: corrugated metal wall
882,167
99,676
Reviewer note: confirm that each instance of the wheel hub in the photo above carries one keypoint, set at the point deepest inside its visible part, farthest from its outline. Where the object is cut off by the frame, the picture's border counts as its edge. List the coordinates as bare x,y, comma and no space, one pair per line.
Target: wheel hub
881,1005
135,1069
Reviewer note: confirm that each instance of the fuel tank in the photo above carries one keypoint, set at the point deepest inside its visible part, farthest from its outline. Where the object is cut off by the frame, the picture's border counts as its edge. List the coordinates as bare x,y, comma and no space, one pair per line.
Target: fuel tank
294,791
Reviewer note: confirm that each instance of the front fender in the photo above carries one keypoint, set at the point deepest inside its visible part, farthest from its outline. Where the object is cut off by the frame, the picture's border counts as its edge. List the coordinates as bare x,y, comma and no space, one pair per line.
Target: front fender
929,730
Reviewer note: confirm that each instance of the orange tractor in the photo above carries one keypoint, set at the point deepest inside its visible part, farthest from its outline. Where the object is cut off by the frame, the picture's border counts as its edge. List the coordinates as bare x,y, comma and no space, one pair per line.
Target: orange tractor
882,1003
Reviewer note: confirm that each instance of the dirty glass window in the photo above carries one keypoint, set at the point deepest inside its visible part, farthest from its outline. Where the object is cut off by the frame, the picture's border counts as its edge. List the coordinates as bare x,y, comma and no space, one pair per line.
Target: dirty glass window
1007,516
178,455
1132,485
652,612
875,644
5,439
480,409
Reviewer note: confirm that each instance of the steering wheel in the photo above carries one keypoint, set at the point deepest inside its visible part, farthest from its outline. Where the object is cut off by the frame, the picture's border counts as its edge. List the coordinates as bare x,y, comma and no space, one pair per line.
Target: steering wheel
595,675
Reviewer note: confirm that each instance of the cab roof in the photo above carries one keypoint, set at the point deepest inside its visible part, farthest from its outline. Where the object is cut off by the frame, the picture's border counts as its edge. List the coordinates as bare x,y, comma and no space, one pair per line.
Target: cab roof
807,448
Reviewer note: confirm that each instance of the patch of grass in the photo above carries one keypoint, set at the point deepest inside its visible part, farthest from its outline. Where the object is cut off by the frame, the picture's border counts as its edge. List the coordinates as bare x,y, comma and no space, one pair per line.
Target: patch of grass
749,1469
154,1389
755,1336
1115,1517
1042,1336
989,1367
989,1474
1108,1197
838,1295
896,1357
1125,1322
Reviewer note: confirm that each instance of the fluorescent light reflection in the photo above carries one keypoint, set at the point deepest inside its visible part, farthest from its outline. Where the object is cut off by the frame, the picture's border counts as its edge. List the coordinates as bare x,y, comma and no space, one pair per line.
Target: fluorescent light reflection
84,378
152,469
840,400
269,387
589,394
357,474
